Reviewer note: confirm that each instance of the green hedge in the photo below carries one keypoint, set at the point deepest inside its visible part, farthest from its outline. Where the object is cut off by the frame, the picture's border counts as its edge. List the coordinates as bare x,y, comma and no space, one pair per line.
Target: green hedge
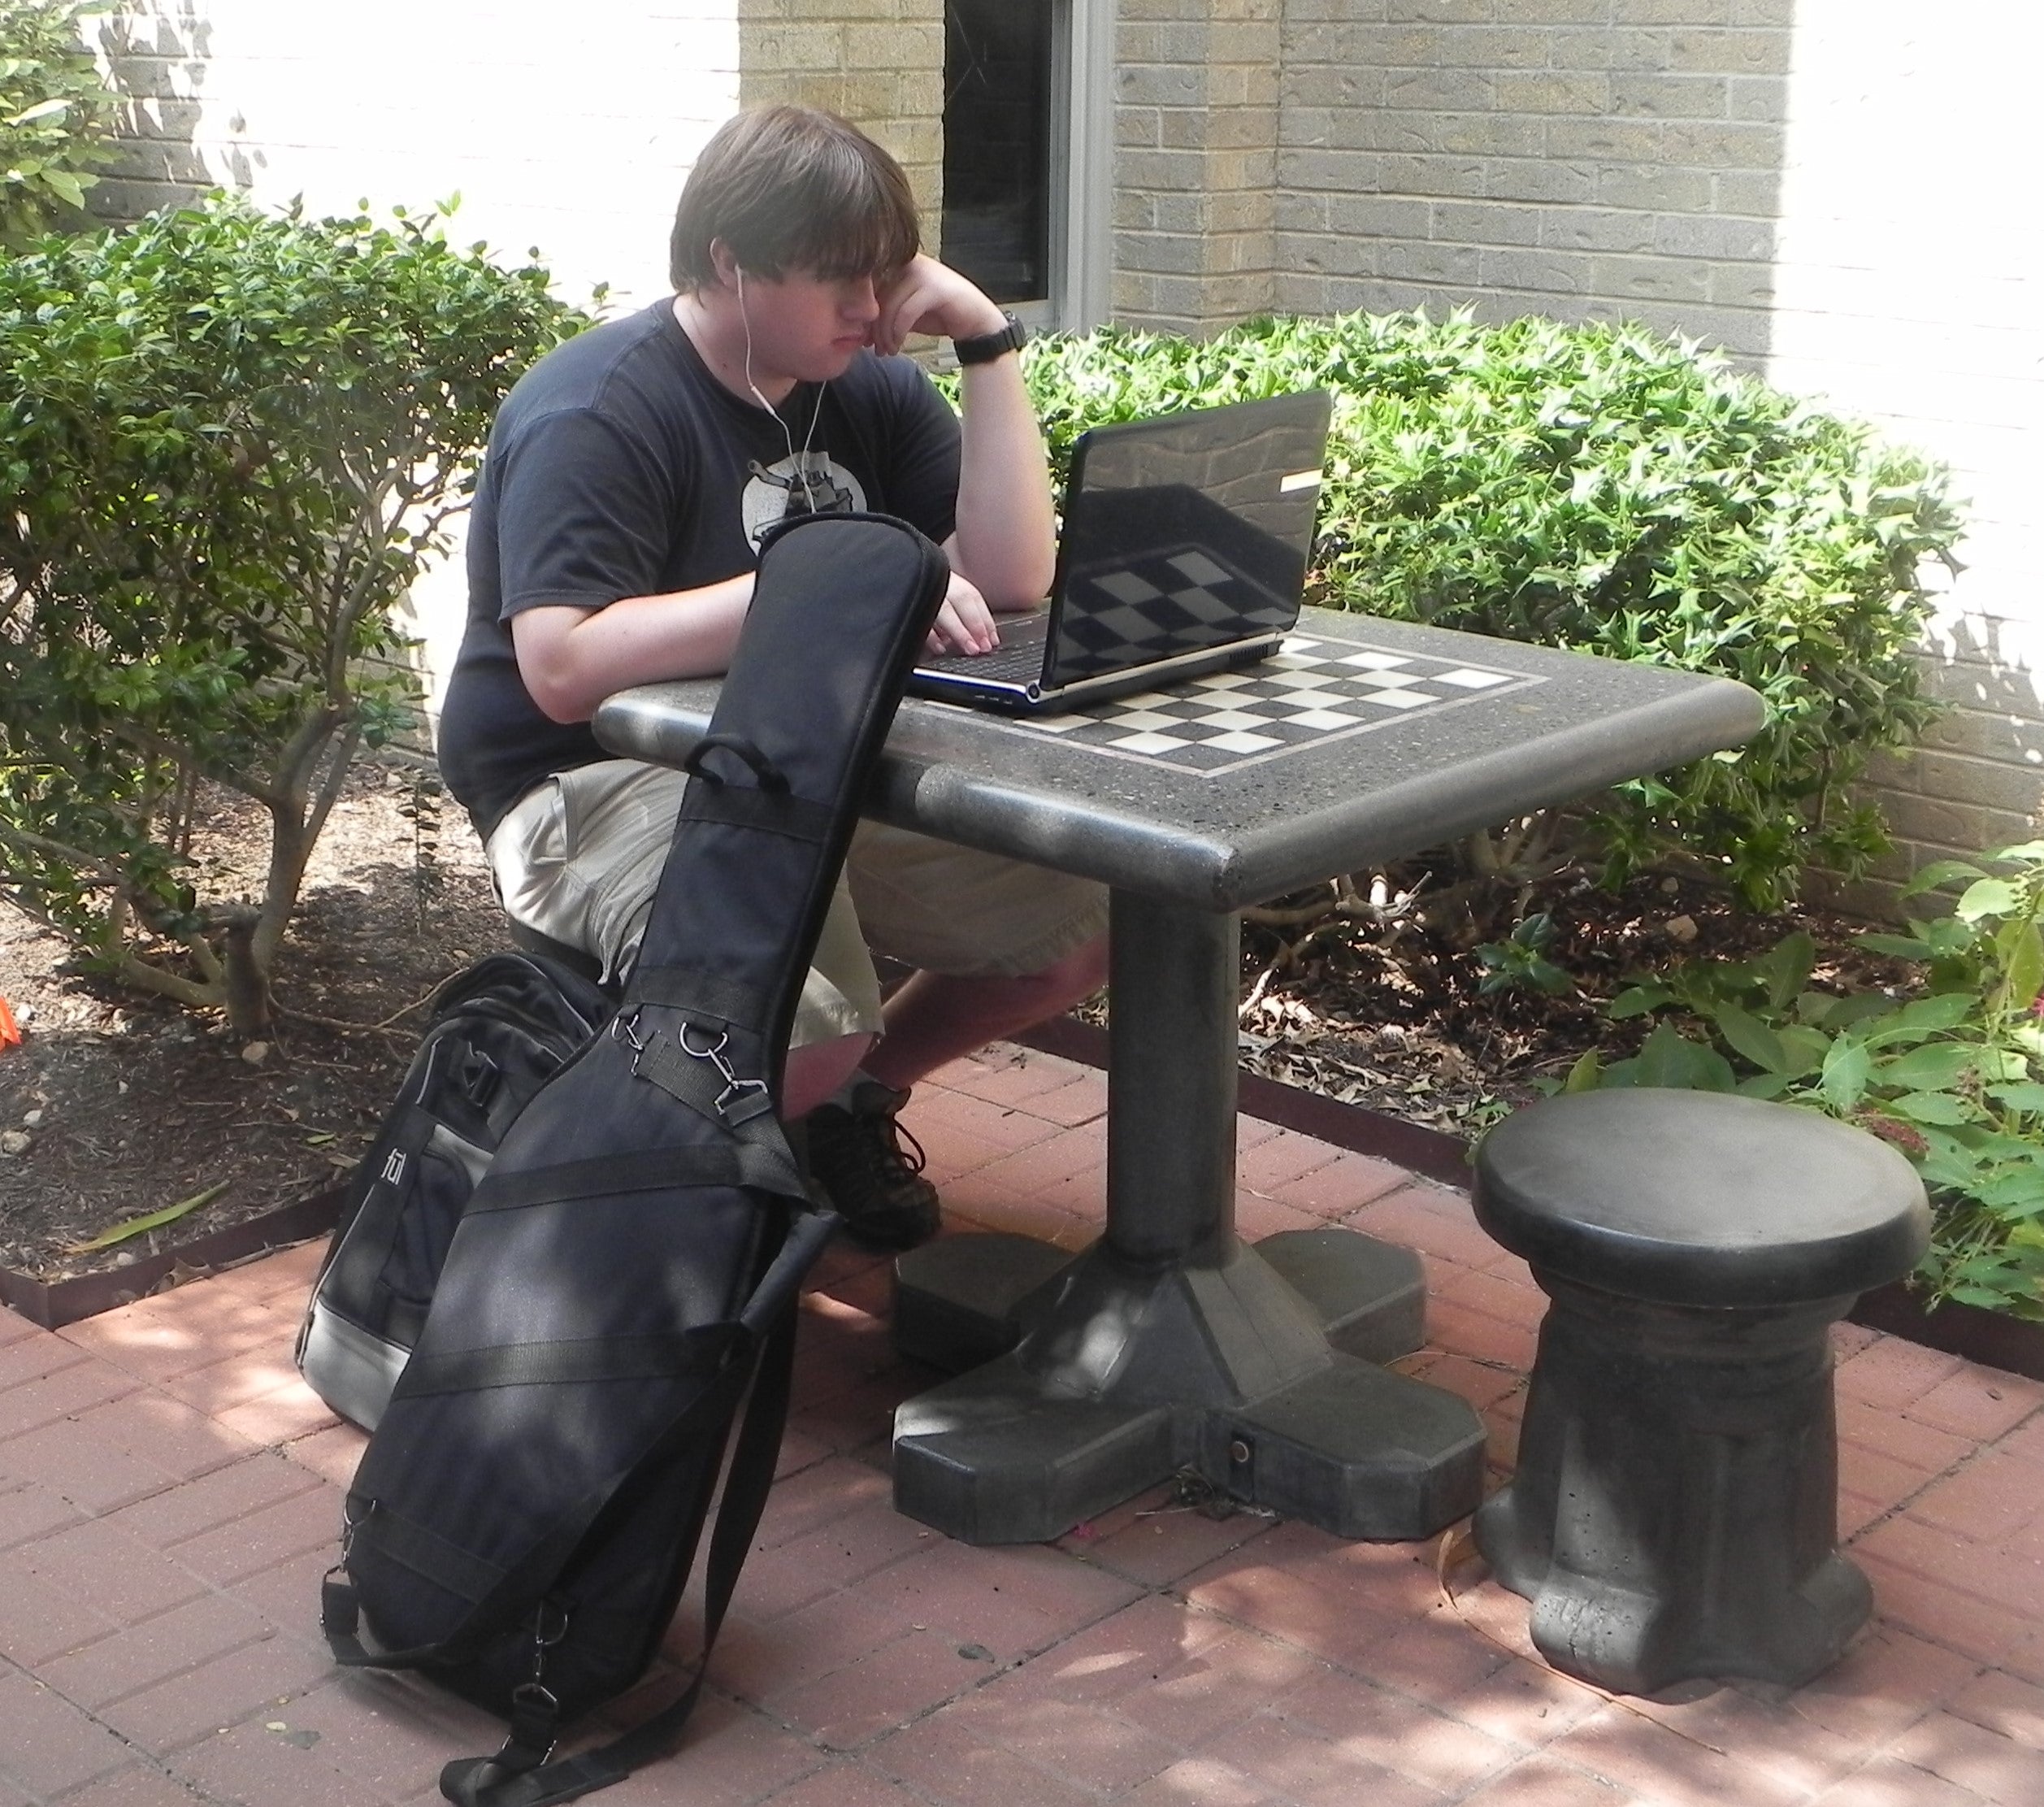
1606,489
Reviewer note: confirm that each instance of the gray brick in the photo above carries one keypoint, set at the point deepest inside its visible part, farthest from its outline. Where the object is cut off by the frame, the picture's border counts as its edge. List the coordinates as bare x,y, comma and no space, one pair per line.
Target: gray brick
1137,128
1331,85
1730,52
1441,175
1596,229
1742,284
1742,334
1384,46
1669,96
1704,236
1542,272
1709,145
1756,194
1668,12
1494,47
2010,739
1763,12
1306,12
1443,90
1929,819
1333,171
1447,12
1560,12
1483,222
1530,179
1990,784
1380,216
1607,140
1490,134
1662,279
1179,170
1566,91
1160,84
1654,190
1760,97
1459,266
1331,254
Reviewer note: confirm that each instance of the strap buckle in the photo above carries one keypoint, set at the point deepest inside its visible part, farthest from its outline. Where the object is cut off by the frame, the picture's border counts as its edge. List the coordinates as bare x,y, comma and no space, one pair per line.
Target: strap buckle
742,1098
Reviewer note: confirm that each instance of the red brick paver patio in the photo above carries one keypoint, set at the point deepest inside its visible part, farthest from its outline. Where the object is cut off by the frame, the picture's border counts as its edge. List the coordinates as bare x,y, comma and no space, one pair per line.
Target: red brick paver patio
169,1495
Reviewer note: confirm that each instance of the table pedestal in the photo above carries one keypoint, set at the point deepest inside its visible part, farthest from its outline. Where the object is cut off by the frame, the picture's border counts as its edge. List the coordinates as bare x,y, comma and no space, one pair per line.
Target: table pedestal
1170,1343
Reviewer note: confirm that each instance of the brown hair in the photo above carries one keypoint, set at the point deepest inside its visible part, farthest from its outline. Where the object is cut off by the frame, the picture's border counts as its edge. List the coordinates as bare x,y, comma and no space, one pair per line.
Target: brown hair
793,188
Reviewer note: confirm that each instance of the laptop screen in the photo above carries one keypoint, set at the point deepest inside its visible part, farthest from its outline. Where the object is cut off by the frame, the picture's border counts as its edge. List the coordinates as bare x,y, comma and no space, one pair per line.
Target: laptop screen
1187,532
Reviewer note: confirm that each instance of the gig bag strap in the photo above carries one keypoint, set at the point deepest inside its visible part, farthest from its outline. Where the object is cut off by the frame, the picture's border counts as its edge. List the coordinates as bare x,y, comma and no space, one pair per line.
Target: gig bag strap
518,1775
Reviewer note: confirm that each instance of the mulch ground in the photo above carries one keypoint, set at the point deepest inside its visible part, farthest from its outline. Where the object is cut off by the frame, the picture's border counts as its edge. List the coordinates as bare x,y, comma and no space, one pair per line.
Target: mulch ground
116,1105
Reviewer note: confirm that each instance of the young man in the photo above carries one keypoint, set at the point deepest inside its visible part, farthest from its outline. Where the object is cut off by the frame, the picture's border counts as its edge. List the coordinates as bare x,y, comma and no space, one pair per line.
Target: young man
612,542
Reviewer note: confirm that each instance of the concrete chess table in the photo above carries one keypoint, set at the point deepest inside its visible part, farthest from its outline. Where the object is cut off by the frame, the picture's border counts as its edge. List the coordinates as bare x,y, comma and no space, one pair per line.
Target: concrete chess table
1170,1341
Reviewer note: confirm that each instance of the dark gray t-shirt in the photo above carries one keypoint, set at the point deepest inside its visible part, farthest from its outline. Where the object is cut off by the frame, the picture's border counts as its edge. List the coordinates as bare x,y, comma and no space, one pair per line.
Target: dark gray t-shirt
618,467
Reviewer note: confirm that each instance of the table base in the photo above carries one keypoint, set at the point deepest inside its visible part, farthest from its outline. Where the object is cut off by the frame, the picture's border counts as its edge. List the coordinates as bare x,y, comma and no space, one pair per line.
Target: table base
1095,1377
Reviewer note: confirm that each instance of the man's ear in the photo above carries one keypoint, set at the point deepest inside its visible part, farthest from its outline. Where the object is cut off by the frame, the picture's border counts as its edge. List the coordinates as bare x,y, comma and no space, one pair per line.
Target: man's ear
724,261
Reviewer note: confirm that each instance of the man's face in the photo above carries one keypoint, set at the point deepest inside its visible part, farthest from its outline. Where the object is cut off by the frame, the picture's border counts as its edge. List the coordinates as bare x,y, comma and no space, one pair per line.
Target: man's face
806,327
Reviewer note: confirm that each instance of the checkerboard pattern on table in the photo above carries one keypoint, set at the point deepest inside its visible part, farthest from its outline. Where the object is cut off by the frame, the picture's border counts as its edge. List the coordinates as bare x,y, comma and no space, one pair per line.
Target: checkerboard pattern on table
1308,690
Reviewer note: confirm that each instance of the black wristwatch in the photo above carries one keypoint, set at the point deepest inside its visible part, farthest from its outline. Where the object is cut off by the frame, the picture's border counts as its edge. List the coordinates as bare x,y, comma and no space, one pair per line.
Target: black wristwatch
987,346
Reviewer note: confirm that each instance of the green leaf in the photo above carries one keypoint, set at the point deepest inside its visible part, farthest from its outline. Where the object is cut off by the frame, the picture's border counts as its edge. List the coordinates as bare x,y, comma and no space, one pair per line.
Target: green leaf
1636,1001
1847,1067
2024,969
1989,897
2025,1096
1787,968
1903,947
1669,1058
154,1220
42,109
1751,1037
1937,874
1934,1067
1932,1107
1584,1074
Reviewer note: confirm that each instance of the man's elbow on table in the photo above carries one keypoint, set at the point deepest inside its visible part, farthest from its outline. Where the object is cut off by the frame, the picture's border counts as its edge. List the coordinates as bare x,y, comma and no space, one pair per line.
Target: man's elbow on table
549,663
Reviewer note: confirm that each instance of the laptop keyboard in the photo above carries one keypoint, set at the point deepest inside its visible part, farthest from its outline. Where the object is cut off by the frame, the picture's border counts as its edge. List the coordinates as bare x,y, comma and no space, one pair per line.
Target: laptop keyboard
1015,661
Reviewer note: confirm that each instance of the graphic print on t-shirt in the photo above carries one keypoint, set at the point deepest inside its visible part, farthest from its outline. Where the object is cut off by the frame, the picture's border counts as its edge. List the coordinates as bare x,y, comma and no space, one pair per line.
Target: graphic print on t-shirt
808,483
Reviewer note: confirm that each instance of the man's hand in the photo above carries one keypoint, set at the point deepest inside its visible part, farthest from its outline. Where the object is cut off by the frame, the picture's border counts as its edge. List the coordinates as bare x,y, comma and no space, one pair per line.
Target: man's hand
964,622
930,297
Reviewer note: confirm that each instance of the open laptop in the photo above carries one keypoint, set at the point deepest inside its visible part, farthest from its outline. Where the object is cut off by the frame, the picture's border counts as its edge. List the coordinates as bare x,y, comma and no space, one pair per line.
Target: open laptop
1184,551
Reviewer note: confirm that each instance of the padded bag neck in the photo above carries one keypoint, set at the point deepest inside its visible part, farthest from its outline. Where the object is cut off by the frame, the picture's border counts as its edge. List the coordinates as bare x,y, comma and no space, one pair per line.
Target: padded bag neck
526,1513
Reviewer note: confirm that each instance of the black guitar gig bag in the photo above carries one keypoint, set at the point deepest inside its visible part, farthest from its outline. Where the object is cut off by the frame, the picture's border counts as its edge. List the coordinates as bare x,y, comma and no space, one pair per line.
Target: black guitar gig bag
624,1276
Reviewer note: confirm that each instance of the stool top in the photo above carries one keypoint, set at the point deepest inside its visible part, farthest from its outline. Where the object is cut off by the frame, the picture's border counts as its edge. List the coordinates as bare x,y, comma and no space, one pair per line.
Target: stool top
1700,1198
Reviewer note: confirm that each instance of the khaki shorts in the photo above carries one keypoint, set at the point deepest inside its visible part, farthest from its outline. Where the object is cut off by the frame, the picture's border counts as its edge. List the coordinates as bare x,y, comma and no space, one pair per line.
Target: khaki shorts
579,856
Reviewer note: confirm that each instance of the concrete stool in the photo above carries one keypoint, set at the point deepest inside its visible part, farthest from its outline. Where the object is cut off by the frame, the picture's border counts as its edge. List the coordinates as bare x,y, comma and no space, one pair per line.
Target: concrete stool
1675,1511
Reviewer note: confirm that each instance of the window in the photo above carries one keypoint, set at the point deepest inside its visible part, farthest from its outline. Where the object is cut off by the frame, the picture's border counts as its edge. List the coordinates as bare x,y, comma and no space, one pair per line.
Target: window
1026,126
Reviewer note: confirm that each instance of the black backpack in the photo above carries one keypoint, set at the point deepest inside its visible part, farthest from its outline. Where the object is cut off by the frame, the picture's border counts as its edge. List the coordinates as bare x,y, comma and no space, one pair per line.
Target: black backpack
527,1513
495,1034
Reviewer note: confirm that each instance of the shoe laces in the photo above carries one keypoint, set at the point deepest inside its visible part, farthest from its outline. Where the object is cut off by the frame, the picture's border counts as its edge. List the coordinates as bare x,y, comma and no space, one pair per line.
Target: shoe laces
898,1150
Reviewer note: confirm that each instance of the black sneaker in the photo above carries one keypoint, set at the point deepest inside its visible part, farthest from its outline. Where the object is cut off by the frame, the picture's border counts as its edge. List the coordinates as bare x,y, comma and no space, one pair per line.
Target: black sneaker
871,1168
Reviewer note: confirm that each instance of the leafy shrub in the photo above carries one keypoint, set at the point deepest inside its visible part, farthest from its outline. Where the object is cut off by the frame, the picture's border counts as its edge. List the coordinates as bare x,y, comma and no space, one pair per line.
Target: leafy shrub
1950,1074
1601,488
54,115
230,440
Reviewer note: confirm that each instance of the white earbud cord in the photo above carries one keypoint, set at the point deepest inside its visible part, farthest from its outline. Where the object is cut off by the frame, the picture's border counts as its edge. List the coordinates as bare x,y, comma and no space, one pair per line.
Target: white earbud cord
800,472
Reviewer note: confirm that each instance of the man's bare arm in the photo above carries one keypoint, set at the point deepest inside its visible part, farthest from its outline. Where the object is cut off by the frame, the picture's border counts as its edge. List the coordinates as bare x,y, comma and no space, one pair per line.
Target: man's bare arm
572,658
1006,537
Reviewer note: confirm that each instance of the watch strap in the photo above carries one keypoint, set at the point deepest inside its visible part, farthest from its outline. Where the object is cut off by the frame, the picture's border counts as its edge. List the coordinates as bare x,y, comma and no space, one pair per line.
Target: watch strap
985,347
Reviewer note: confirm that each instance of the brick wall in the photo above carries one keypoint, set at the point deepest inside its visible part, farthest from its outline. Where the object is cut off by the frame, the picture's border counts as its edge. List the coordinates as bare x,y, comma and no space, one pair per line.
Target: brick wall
879,63
1196,131
1582,159
1835,191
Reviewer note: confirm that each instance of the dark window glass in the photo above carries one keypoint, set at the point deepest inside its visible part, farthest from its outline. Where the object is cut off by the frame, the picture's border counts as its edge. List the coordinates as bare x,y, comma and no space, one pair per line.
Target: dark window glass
996,145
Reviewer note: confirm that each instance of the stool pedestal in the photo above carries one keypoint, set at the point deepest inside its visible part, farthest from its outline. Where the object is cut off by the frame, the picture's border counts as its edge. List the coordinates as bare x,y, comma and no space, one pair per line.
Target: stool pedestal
1675,1510
1674,1513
